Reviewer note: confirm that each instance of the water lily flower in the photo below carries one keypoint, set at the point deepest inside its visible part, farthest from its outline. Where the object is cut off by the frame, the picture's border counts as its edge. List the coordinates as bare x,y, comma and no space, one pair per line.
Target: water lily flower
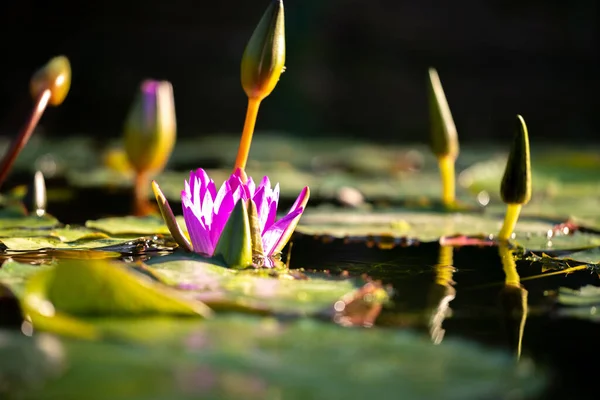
241,217
207,210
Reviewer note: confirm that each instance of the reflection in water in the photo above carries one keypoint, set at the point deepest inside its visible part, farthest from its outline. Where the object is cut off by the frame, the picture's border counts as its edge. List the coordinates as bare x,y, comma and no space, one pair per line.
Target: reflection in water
513,299
441,293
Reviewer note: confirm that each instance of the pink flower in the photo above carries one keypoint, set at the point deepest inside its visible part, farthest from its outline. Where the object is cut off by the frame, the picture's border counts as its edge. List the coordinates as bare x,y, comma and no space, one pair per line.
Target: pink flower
207,210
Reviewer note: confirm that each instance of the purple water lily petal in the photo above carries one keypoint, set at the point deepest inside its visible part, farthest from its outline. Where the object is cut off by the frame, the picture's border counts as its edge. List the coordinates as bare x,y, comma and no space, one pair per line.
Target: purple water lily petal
198,233
262,207
272,237
273,200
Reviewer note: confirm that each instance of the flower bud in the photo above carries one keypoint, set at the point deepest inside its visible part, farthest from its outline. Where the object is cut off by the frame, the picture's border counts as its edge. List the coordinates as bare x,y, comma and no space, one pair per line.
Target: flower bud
444,140
264,57
516,182
56,76
150,129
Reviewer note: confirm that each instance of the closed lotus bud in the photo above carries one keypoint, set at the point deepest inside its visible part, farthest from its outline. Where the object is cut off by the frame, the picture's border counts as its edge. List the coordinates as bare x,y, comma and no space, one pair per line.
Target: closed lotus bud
516,182
150,129
264,58
55,76
444,140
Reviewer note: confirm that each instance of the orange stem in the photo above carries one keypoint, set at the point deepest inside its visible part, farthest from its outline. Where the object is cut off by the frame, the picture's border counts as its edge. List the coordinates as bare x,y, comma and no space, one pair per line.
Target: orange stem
246,140
141,205
24,135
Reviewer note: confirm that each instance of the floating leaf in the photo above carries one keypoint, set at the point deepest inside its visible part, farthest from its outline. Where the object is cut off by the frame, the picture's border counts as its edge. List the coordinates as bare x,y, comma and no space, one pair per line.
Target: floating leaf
253,358
55,243
393,227
15,274
66,234
130,225
103,288
32,222
225,288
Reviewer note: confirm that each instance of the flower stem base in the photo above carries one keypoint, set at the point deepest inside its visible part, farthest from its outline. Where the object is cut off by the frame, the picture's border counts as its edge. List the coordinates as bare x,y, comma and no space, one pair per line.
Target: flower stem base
447,174
510,221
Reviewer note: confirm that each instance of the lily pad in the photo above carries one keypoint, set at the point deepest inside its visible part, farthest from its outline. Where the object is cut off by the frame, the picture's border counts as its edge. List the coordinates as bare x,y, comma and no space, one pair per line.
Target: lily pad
31,222
55,243
64,234
253,358
15,274
104,288
130,225
258,290
589,256
391,228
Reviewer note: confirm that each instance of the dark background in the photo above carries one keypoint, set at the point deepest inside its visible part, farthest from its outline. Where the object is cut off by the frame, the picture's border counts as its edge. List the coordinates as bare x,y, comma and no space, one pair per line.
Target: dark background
354,67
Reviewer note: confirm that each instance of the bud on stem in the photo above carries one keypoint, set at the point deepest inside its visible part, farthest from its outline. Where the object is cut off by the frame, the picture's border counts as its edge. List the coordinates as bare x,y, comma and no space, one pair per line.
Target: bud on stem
262,64
49,85
443,137
515,188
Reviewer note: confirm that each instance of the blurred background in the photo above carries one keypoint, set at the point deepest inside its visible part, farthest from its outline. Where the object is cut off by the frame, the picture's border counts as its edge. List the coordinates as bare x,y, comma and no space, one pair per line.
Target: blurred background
354,67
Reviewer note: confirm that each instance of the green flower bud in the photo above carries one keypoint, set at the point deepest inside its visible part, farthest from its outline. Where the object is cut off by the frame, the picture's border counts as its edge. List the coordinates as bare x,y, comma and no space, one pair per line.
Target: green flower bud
444,140
516,182
150,129
55,76
235,242
264,58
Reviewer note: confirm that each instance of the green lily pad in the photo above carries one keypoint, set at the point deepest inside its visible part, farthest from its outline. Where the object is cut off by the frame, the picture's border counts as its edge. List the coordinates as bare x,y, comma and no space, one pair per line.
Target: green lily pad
130,225
229,289
15,274
105,288
65,234
393,227
55,243
252,358
31,222
588,256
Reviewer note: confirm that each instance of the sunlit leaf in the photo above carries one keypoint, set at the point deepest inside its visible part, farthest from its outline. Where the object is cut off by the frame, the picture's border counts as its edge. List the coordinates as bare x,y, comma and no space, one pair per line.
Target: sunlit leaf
54,243
66,234
224,288
99,287
32,222
130,225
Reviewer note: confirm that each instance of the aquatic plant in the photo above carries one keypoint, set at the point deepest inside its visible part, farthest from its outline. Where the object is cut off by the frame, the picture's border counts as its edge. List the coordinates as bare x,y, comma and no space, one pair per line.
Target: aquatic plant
515,188
49,85
212,217
150,132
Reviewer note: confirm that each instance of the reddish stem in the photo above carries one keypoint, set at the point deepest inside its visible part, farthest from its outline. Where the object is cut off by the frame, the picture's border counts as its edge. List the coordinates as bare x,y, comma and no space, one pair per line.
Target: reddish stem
24,135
